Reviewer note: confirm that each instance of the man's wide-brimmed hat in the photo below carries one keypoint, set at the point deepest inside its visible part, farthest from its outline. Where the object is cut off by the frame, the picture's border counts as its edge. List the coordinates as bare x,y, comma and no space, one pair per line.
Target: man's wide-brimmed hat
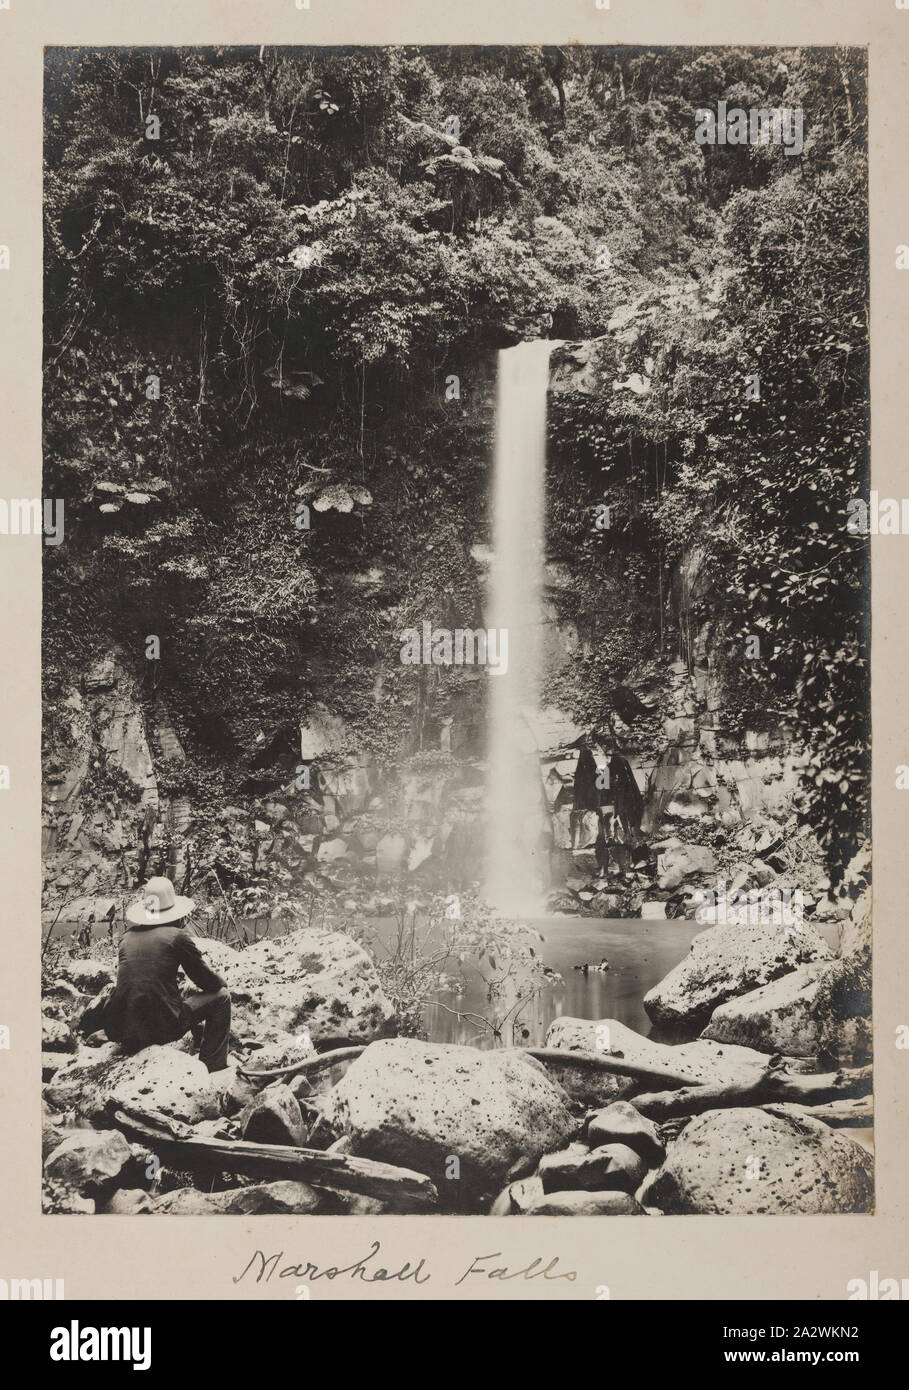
159,904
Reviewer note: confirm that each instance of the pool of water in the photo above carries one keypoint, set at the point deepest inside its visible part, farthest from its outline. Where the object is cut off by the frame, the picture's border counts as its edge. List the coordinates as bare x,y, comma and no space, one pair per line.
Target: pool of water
639,953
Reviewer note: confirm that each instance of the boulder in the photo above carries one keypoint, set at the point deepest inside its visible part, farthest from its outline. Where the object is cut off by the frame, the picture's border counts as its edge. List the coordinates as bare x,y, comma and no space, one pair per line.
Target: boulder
318,980
156,1081
185,1201
61,1201
88,976
89,1160
280,1049
284,1198
772,1161
51,1135
525,1193
58,997
518,1197
69,1081
231,964
128,1201
502,1204
676,863
57,1036
558,1170
215,1129
726,961
51,1063
762,873
612,1166
274,1117
620,1123
237,1094
784,1016
420,1104
588,1035
354,1204
817,1011
701,1060
586,1204
562,901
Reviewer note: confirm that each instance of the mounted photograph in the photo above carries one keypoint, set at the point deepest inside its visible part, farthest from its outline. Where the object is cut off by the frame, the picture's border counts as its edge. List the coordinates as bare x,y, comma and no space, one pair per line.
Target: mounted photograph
456,631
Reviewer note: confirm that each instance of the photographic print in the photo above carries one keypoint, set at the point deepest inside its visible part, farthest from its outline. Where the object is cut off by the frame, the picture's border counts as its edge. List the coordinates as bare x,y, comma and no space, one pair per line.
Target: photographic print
456,631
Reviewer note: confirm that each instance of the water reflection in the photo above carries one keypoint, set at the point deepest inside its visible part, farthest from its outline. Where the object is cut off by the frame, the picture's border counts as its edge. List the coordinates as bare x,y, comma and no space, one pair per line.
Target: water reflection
639,953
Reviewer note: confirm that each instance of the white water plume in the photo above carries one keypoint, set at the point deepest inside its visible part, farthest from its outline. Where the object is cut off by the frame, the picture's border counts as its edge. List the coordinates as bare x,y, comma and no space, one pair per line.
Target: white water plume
517,870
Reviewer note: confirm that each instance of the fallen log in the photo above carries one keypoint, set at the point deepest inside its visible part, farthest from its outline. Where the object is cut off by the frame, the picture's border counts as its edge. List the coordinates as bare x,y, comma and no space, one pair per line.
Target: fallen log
176,1145
857,1112
617,1066
550,1056
764,1086
309,1065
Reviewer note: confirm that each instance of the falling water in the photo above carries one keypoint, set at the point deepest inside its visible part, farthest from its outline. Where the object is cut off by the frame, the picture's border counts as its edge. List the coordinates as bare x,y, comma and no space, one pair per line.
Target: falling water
516,871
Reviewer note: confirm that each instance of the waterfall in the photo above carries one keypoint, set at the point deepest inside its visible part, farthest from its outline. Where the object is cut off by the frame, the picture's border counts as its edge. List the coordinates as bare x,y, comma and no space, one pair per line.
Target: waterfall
516,863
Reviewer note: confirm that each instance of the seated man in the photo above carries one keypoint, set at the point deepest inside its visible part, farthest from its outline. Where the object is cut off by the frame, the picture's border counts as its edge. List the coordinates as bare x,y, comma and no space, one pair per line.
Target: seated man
146,1006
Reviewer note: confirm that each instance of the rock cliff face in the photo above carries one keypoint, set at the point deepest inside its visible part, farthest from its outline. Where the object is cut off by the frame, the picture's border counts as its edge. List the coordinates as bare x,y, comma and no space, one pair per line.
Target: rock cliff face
101,795
109,818
683,791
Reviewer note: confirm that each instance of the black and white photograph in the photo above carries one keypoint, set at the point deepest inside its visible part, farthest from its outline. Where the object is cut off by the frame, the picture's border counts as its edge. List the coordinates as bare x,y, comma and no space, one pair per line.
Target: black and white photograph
456,631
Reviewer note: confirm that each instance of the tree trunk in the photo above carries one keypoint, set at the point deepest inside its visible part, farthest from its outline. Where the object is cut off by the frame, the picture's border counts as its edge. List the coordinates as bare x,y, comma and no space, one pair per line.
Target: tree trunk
406,1189
857,1113
310,1065
765,1084
551,1056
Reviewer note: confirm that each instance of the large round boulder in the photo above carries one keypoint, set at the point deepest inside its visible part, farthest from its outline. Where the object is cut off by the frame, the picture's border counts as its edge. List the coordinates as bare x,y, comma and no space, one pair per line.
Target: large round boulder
465,1117
762,1162
311,979
89,1160
156,1081
88,976
726,961
798,1015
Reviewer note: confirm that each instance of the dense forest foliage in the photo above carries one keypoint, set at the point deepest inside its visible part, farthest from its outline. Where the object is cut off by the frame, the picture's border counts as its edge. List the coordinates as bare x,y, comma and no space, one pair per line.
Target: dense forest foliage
265,266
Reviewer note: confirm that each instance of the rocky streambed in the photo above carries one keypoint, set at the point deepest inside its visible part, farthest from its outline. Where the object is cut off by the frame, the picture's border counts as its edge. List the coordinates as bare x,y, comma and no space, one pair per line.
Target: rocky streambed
764,1107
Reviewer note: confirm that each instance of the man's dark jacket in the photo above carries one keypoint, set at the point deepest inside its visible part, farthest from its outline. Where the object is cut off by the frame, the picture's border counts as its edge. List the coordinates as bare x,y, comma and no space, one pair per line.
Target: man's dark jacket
146,1006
